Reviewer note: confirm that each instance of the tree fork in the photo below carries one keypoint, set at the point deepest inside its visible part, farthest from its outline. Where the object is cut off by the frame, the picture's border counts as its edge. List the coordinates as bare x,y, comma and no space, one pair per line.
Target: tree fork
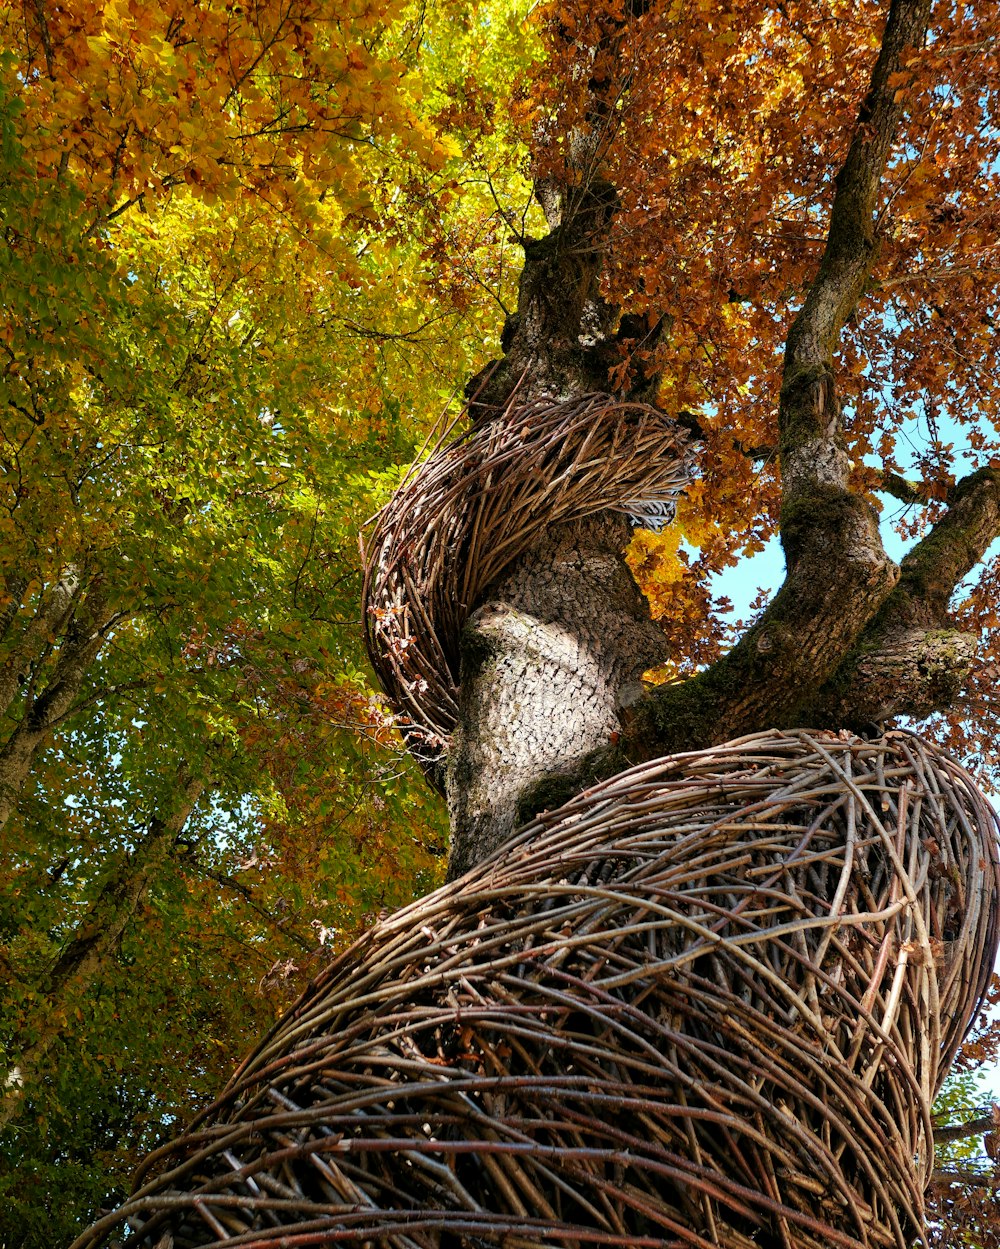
908,660
839,576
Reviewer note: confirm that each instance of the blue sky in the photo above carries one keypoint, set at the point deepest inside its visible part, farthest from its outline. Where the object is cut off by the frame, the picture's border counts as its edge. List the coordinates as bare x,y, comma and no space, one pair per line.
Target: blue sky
766,569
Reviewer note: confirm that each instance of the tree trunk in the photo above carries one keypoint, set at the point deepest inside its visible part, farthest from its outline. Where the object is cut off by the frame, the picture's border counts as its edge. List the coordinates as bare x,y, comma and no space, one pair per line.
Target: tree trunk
79,616
551,698
848,639
549,662
94,942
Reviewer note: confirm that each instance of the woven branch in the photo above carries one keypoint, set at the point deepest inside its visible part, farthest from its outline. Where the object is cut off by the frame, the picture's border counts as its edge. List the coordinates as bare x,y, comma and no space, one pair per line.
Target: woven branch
461,518
706,1003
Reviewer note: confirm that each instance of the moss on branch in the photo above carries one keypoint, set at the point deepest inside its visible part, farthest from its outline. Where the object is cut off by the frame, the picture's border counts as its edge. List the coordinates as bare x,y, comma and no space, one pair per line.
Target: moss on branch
936,565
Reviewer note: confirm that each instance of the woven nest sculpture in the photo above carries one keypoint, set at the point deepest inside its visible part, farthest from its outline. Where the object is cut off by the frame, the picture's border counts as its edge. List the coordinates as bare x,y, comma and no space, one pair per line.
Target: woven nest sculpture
462,517
706,1003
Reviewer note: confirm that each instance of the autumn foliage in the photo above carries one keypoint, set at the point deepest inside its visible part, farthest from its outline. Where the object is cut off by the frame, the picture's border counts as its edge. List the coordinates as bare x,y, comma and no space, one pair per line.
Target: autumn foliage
724,128
251,252
219,224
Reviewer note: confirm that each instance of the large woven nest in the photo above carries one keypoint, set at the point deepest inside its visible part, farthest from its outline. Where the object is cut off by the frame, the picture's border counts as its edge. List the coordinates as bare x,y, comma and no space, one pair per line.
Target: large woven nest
706,1003
464,515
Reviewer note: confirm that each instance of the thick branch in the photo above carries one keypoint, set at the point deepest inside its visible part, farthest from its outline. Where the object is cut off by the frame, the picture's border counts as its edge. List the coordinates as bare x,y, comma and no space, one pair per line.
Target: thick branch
838,573
836,563
956,544
968,1177
565,337
55,606
961,1131
903,489
809,412
83,637
555,344
911,660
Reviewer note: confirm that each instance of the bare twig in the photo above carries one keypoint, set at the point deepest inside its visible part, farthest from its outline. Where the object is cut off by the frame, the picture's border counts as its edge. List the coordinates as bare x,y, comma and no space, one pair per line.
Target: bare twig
718,991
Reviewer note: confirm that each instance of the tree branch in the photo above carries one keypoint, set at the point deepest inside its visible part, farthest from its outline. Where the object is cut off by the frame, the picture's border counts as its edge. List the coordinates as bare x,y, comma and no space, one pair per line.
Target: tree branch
561,341
961,1131
911,660
94,942
838,575
813,460
84,625
968,1177
903,489
956,544
56,604
852,244
230,882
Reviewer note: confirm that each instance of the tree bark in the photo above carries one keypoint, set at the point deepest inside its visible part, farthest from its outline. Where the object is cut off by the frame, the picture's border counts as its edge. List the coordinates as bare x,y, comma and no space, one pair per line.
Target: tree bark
54,608
549,662
849,639
962,1131
82,616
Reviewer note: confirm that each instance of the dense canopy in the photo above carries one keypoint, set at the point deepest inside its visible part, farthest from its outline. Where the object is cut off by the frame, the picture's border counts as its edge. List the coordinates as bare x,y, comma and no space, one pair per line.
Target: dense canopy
253,253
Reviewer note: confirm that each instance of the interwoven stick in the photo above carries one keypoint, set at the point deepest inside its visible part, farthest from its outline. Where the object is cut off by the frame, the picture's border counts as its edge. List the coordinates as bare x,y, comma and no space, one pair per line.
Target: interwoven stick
461,518
706,1003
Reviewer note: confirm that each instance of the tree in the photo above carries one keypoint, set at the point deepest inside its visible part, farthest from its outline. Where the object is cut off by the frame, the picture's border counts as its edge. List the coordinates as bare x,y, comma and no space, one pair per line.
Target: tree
197,791
599,310
962,1206
868,322
849,638
810,178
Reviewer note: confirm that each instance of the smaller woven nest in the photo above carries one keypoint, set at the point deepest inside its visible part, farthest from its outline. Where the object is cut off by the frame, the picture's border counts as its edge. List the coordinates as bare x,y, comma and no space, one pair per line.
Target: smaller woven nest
462,517
707,1003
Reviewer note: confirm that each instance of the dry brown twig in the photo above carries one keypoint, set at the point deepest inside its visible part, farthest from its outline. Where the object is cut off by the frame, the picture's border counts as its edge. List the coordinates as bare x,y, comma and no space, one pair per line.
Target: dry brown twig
463,516
706,1003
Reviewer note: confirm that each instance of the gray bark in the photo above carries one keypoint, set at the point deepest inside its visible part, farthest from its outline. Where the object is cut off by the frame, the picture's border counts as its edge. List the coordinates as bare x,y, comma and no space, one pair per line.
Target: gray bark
54,608
549,662
84,619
